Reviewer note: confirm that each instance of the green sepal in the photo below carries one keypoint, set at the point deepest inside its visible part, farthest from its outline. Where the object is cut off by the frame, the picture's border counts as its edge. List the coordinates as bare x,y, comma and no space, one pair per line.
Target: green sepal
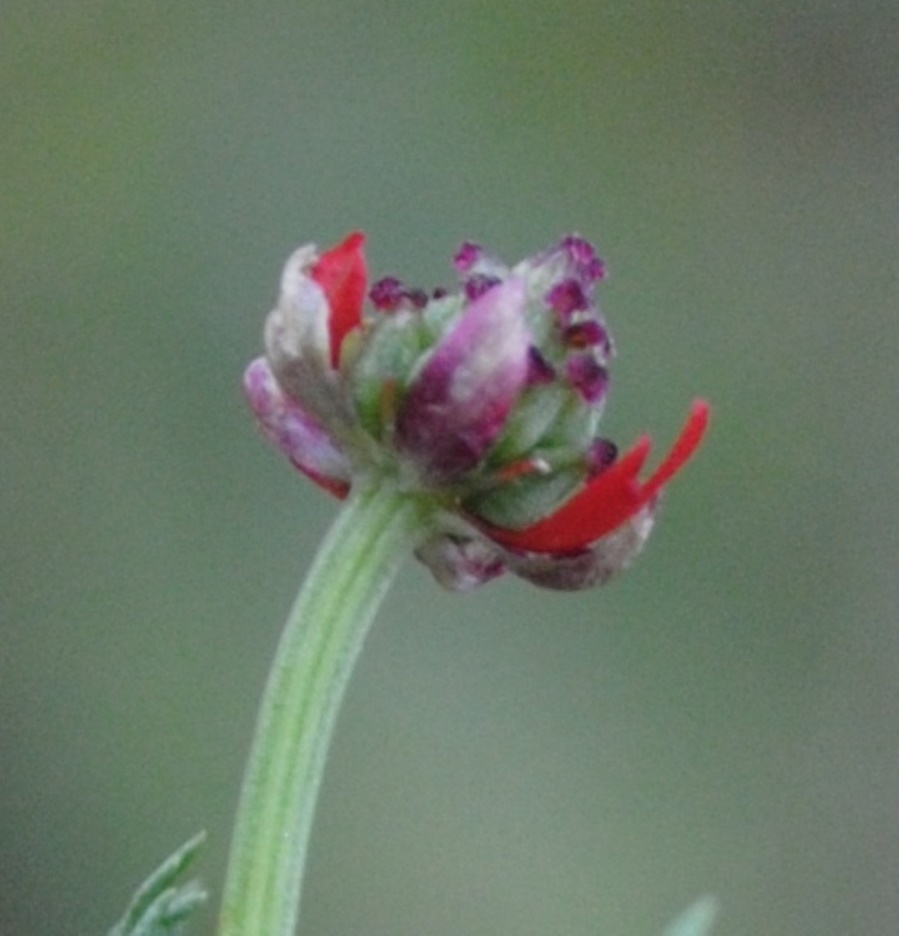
529,422
388,355
575,427
519,502
161,905
439,316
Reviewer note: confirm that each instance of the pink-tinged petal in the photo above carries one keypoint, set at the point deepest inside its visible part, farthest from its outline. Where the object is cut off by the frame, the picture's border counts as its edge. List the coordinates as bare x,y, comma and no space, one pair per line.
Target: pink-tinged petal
297,434
342,274
609,499
459,402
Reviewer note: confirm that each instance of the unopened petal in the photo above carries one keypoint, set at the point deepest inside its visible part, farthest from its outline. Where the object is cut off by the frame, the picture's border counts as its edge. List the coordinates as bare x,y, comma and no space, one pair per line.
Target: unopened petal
296,433
459,402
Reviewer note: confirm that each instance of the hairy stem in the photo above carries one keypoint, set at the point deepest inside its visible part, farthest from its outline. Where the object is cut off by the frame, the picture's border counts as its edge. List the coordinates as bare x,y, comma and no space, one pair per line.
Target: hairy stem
321,641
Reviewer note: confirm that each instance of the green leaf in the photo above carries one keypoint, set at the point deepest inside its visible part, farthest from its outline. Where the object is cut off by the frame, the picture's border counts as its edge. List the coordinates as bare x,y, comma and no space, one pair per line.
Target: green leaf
696,920
160,905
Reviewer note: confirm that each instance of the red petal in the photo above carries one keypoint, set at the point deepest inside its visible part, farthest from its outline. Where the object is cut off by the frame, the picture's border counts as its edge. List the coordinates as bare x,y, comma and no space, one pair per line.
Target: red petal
608,500
342,274
686,444
604,503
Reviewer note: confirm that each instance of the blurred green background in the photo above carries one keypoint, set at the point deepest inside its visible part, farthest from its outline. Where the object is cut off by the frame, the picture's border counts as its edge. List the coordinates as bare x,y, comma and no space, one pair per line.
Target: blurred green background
723,719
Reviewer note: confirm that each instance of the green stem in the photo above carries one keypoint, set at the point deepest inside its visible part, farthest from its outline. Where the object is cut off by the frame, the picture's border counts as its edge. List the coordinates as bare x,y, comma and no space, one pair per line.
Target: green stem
320,644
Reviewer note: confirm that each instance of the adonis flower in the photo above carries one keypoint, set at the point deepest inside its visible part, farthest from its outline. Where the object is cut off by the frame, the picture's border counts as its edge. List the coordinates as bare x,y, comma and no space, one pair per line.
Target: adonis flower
484,401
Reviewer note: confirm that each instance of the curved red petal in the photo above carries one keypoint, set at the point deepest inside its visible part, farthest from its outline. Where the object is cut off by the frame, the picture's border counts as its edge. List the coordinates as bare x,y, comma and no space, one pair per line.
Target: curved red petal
603,504
687,443
343,276
610,498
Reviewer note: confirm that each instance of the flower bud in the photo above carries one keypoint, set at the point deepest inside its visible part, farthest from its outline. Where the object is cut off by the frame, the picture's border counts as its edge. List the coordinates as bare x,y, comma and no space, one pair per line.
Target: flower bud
486,400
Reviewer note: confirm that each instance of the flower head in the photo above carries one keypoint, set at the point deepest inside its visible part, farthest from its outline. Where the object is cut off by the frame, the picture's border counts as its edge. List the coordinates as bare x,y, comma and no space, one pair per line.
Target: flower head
485,400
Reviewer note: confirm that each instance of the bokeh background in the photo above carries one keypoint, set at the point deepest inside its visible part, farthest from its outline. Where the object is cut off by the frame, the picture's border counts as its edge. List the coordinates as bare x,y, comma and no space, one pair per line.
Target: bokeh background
722,720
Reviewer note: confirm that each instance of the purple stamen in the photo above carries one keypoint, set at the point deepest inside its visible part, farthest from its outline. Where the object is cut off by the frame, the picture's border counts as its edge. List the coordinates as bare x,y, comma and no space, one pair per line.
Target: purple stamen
467,256
479,284
595,270
601,455
587,376
580,250
566,298
387,294
582,255
587,334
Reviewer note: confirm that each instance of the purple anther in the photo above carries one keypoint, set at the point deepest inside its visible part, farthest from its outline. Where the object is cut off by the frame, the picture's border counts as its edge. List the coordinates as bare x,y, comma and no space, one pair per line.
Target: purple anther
601,455
387,294
588,334
587,376
477,285
467,256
